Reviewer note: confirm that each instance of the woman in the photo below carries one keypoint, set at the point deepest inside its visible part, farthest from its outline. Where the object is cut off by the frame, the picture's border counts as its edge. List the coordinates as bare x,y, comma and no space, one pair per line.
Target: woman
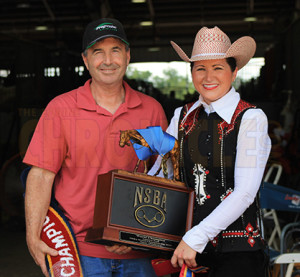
224,149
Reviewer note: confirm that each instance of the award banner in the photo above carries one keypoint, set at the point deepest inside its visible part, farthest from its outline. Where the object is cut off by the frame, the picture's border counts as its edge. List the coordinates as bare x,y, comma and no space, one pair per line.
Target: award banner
58,234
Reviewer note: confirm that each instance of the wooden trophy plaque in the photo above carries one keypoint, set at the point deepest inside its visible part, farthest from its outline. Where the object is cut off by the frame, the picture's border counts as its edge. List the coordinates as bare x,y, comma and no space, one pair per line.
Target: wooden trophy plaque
145,212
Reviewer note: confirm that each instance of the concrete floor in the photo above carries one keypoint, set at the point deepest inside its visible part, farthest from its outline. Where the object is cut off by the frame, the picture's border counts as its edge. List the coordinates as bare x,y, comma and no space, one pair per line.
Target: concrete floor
15,260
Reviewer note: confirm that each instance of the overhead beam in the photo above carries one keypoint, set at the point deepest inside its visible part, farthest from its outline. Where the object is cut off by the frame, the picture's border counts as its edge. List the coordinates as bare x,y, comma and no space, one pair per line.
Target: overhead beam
50,12
106,10
151,9
94,13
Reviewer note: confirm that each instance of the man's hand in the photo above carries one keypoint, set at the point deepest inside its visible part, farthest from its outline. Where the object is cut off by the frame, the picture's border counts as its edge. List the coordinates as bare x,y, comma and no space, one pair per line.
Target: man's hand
184,254
38,249
37,200
118,249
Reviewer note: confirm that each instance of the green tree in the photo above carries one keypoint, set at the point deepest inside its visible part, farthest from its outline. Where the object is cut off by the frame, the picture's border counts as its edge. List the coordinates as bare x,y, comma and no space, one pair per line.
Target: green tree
133,73
171,80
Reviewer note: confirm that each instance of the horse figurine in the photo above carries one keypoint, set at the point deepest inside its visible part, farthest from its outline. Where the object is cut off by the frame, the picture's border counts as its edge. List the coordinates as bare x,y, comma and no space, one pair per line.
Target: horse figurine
136,138
133,135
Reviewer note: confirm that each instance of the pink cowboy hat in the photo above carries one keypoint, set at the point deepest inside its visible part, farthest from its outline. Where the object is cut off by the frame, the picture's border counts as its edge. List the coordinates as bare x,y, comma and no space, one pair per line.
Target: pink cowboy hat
212,43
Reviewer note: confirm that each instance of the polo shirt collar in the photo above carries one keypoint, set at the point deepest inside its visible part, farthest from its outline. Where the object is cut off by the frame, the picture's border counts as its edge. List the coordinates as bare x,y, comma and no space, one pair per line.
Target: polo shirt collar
86,101
85,98
132,98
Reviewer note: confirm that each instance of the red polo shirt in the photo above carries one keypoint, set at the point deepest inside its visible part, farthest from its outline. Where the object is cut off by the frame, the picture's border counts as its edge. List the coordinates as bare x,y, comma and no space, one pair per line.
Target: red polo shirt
78,140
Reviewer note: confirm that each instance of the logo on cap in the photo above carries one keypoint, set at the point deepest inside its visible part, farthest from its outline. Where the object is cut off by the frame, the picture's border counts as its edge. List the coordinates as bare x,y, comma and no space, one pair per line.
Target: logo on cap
106,26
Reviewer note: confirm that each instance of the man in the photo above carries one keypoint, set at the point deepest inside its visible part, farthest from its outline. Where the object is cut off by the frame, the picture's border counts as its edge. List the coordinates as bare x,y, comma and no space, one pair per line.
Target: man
76,139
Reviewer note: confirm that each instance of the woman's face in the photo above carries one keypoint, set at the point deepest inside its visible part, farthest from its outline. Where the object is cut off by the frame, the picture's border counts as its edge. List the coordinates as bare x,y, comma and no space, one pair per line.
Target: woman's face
212,78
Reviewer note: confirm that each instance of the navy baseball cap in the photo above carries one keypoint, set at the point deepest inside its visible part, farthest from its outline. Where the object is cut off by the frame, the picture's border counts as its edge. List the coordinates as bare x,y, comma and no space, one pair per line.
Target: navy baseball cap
103,28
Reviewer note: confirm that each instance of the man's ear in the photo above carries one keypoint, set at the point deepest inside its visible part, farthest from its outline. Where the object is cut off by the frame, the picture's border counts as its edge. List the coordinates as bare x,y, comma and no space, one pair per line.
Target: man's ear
85,61
128,56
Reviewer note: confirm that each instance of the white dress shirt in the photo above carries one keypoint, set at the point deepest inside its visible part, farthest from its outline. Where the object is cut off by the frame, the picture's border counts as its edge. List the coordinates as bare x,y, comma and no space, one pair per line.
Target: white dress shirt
253,149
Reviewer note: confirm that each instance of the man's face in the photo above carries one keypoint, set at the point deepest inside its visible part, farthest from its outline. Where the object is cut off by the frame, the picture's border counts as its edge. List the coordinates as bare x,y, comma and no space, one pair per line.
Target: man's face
107,61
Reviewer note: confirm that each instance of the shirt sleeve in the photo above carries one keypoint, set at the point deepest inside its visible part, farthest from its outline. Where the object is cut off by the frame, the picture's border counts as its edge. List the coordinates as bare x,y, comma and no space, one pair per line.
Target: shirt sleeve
253,149
47,147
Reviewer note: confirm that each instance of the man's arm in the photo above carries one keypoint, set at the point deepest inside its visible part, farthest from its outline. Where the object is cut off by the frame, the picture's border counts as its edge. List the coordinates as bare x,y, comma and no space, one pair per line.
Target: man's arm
37,200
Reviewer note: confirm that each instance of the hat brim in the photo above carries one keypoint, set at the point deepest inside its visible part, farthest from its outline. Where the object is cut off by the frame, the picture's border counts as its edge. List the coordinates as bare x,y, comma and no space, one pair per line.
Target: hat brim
242,50
180,52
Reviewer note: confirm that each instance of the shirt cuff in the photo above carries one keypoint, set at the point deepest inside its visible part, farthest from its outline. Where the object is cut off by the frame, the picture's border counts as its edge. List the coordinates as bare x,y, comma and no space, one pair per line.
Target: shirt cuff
196,238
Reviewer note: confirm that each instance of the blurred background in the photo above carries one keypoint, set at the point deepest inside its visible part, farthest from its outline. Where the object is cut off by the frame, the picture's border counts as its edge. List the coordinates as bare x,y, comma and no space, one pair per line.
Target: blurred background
40,57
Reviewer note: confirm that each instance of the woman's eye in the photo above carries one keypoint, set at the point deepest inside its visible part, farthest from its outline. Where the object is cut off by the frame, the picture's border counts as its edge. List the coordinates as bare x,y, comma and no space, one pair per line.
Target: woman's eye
200,69
218,68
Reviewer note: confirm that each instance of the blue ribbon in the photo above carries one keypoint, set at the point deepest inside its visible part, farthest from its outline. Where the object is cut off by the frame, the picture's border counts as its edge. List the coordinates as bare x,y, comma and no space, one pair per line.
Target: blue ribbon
159,142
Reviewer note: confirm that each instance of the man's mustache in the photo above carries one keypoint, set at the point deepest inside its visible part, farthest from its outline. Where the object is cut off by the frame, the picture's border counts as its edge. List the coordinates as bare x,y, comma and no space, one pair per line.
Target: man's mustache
109,66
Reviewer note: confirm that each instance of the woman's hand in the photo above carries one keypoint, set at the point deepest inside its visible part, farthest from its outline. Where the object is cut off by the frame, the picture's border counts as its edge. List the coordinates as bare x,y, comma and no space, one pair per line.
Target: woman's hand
118,249
184,254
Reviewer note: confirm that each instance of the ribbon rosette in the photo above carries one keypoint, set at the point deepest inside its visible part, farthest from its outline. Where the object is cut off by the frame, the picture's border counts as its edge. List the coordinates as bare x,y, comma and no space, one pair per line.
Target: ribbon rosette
159,142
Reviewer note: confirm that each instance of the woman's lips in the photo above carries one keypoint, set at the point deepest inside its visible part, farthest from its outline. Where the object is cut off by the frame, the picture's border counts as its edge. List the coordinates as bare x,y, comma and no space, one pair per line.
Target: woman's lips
210,87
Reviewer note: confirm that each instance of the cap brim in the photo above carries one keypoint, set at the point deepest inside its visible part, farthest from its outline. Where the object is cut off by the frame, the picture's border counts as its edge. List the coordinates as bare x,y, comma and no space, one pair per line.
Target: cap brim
106,36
